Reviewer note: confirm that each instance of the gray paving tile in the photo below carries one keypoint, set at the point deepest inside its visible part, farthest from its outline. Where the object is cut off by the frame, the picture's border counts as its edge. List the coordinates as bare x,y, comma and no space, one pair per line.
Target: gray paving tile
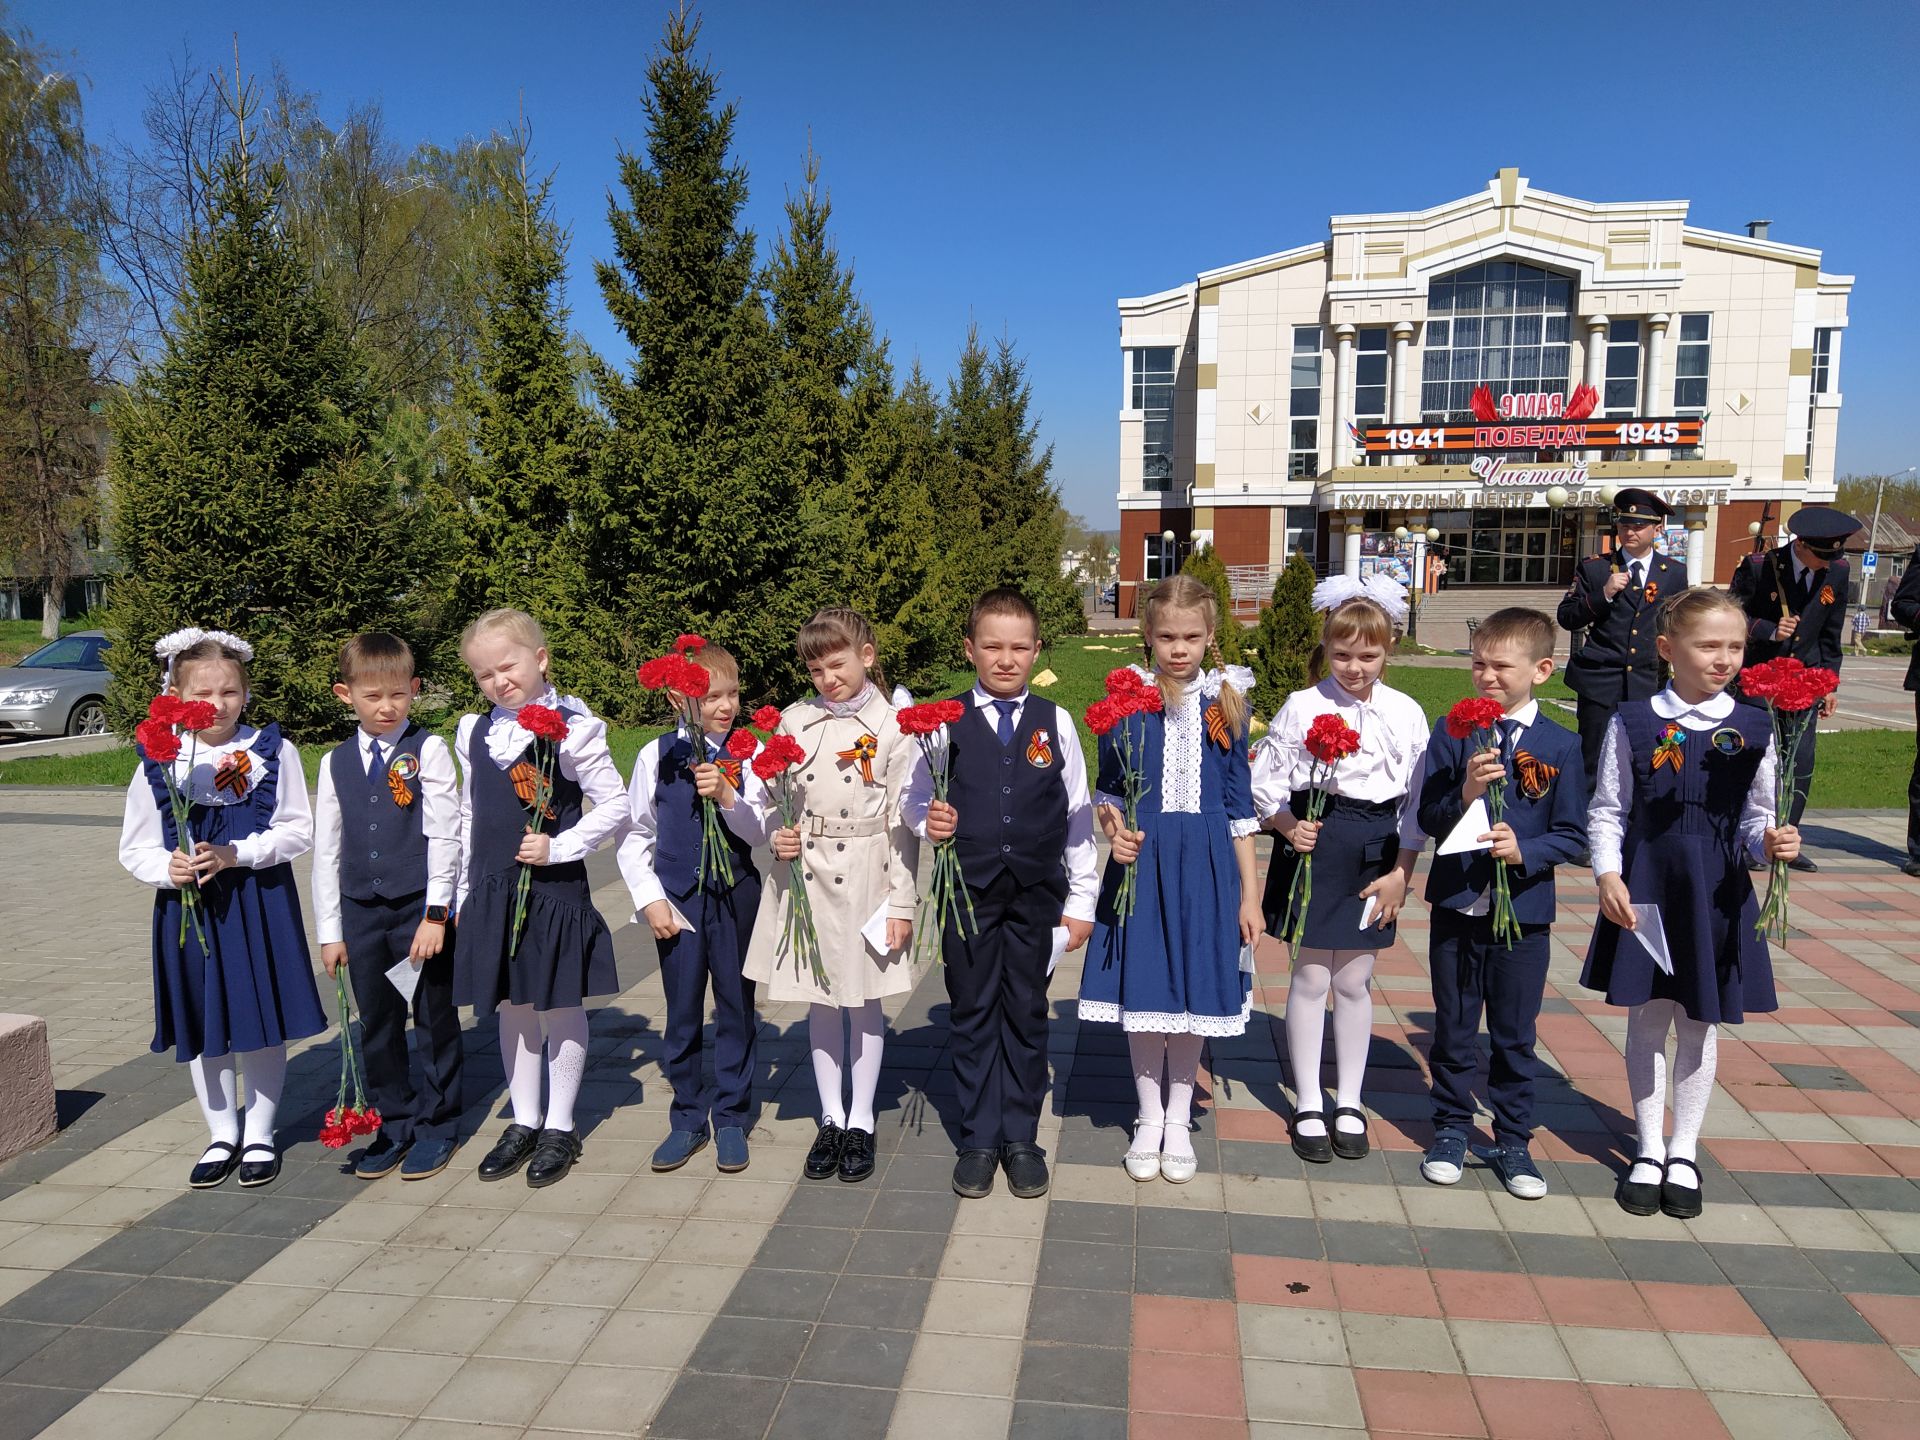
805,1247
1166,1228
66,1297
223,1257
717,1407
1678,1260
84,1357
770,1294
918,1172
1088,1317
1768,1188
203,1210
1072,1375
1867,1272
1582,1256
1808,1314
1363,1242
843,1412
1080,1266
856,1355
1594,1182
887,1301
1295,1236
1066,1422
743,1345
1770,1265
26,1410
280,1217
1876,1192
913,1210
1446,1247
21,1338
1262,1157
159,1302
1818,1077
141,1250
897,1252
1093,1223
845,1206
1196,1274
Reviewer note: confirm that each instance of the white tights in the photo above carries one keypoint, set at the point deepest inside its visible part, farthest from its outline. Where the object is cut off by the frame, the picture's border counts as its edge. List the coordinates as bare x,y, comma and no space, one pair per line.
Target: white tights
1695,1057
1165,1123
828,1037
566,1048
1349,975
214,1086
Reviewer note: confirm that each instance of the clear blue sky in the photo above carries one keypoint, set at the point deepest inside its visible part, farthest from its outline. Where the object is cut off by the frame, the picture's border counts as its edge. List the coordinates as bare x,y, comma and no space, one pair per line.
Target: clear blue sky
1023,165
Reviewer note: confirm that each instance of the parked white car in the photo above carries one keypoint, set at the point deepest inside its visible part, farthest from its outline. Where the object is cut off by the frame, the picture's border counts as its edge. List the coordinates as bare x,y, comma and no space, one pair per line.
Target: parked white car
60,689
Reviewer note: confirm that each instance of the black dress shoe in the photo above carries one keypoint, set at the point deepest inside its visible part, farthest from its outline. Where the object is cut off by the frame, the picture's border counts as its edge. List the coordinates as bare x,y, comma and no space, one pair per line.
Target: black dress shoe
513,1151
209,1173
856,1154
1348,1144
973,1173
553,1157
1316,1149
258,1172
823,1160
1026,1166
1802,864
1682,1202
1641,1198
1912,867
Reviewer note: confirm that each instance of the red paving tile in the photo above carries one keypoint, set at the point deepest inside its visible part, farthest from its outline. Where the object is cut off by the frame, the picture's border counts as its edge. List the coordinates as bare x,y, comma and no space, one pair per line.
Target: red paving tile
1897,1317
1851,1102
1755,1155
1901,1159
1613,1304
1415,1403
1185,1327
1838,1157
1474,1295
1385,1290
1249,1125
1186,1384
1699,1309
1776,1099
1280,1280
1636,1413
1878,1419
1857,1372
1519,1409
1183,1427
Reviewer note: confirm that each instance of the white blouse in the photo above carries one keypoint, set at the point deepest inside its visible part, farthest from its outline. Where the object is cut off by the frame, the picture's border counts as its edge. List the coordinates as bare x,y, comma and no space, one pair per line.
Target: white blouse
584,759
1183,743
1386,769
1613,784
143,844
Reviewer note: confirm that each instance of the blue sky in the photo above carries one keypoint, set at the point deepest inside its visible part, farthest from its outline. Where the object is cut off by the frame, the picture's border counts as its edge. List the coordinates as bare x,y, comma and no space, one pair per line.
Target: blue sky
1021,166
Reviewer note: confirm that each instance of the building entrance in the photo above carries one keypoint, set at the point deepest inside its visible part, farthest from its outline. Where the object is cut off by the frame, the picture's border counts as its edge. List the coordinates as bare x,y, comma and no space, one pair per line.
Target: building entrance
1508,547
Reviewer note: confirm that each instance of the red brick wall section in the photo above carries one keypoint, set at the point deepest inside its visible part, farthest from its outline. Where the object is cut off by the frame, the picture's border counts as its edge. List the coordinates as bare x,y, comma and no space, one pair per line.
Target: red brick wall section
1734,543
1241,536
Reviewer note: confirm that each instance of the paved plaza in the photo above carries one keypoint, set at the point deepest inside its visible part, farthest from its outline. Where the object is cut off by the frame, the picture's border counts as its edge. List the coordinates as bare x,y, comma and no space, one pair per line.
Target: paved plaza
1266,1298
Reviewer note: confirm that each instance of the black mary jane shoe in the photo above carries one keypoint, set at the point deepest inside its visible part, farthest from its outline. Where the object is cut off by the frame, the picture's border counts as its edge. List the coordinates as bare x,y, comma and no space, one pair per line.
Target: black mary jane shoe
856,1155
514,1149
258,1172
973,1173
823,1160
1026,1167
1347,1144
1638,1197
1314,1149
209,1173
1682,1202
1804,865
553,1157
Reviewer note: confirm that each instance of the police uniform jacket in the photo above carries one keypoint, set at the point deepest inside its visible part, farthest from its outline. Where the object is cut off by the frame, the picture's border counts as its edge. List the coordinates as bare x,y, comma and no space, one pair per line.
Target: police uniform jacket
1618,661
1766,588
1906,611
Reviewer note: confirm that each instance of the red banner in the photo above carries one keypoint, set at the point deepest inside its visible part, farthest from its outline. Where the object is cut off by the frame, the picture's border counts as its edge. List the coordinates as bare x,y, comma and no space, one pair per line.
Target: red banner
1672,433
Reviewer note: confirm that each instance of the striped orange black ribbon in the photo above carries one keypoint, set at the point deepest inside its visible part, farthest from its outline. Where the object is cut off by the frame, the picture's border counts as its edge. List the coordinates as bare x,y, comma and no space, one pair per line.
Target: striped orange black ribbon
861,753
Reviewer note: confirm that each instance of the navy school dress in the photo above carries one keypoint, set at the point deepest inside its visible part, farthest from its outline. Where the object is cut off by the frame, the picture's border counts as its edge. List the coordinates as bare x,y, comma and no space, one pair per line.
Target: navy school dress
565,952
1359,842
253,985
1175,964
1682,852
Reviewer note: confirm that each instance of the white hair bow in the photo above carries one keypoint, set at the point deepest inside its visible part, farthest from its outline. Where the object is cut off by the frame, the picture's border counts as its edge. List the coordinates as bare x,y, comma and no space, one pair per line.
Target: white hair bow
180,641
1386,592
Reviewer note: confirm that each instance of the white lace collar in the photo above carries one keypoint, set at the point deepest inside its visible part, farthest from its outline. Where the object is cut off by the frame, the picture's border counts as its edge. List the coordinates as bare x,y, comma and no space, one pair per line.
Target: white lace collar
1669,706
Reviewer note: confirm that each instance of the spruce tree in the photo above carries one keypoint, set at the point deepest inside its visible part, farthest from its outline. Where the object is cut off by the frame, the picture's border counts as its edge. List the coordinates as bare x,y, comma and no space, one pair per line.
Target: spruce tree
242,496
1207,567
1286,635
696,503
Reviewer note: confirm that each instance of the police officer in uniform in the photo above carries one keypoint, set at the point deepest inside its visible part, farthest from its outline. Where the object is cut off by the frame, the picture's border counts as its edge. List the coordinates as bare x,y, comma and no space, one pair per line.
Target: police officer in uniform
1616,599
1795,597
1906,611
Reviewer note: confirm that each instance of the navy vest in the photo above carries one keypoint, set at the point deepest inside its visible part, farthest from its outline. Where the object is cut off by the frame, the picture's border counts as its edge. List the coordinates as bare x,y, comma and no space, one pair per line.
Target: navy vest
1012,799
383,847
676,809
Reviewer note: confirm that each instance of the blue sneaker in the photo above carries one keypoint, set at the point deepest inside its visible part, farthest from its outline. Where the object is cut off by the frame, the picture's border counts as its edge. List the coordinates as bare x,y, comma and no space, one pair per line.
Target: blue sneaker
1515,1167
382,1157
428,1157
1446,1158
678,1148
729,1149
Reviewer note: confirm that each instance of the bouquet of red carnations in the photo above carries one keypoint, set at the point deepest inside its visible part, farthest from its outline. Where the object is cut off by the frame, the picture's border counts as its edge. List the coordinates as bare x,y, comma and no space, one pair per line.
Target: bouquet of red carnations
533,783
1469,719
344,1122
1129,693
686,683
1329,740
1792,692
947,890
158,737
776,758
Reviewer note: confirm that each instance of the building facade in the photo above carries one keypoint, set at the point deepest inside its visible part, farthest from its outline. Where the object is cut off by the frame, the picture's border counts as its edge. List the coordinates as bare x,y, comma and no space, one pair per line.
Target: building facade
1459,391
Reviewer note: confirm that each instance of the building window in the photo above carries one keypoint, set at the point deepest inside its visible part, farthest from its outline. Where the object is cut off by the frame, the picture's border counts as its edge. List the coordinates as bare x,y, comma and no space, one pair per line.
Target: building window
1303,404
1620,393
1824,365
1151,393
1303,533
1691,362
1370,385
1160,559
1501,324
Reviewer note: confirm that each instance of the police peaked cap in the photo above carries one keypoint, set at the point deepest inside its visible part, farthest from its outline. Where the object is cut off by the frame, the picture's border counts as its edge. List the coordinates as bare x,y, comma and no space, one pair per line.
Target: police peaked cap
1640,505
1823,528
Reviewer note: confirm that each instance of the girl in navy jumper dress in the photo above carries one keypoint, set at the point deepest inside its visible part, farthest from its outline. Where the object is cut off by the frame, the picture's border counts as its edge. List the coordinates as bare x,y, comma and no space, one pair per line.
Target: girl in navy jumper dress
250,989
1170,974
565,951
1683,799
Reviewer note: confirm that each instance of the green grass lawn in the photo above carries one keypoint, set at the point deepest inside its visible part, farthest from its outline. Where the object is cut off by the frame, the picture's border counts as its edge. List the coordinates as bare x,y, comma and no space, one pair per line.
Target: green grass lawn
1859,769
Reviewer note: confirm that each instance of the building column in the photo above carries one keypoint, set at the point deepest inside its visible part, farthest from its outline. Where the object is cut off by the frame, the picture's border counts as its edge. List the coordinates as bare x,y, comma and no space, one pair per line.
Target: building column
1596,370
1651,396
1350,562
1697,549
1342,447
1402,387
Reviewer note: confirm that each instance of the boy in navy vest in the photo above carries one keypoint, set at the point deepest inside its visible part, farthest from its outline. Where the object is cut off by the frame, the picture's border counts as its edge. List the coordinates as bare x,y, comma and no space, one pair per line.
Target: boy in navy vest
702,929
1545,825
386,857
1022,820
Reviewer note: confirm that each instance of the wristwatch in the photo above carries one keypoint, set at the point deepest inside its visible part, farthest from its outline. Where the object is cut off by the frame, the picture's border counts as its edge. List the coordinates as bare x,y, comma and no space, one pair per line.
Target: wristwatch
437,914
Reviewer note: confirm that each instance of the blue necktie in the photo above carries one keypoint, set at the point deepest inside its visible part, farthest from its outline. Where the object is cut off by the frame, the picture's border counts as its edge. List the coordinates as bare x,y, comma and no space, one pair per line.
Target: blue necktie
373,762
1005,728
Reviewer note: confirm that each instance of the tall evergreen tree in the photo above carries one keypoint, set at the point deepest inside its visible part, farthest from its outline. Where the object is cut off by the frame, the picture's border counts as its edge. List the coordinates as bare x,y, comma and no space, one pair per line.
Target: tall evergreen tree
1286,635
696,505
1206,566
241,493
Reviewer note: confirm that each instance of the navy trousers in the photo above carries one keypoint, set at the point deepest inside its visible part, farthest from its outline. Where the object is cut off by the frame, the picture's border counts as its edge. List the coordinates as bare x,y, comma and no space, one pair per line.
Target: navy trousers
1913,788
1592,717
1803,766
997,983
378,934
1474,974
711,954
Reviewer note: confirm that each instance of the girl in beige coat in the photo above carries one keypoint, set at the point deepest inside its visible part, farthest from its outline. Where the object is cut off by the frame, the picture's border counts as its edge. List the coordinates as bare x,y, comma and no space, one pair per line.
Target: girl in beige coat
860,860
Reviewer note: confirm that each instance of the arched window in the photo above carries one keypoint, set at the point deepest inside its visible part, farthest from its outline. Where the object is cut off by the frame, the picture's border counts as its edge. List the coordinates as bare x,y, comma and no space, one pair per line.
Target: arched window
1502,324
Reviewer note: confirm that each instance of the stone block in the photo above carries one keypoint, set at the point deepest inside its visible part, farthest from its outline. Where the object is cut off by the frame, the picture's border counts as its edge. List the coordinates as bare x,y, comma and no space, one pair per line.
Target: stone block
26,1079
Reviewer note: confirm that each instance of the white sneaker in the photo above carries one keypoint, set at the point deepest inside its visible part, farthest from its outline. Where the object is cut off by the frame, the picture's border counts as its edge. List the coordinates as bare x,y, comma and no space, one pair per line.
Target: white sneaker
1143,1163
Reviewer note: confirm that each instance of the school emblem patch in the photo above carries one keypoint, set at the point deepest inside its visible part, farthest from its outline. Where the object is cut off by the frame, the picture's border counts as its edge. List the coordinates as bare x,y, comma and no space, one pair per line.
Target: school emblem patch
405,766
403,769
1040,750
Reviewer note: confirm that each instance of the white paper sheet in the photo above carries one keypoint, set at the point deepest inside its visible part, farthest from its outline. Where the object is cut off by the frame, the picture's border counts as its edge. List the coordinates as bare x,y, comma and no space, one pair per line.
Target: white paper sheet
679,919
1246,959
1366,910
1652,934
406,979
874,932
1466,835
1059,948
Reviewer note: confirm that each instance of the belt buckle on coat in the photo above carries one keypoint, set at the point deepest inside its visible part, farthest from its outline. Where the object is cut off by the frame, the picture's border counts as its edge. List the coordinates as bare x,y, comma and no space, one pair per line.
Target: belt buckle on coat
816,825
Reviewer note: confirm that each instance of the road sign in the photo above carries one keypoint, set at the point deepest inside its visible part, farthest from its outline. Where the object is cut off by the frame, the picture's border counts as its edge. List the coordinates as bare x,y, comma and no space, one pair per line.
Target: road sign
1869,562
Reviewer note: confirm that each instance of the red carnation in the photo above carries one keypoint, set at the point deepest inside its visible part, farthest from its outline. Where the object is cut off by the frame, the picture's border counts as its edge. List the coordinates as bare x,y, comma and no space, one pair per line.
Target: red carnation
543,722
1476,713
951,711
1150,700
767,718
787,748
742,744
770,763
197,715
165,709
924,719
689,642
1126,681
1795,694
1103,715
693,681
157,741
1330,738
658,674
